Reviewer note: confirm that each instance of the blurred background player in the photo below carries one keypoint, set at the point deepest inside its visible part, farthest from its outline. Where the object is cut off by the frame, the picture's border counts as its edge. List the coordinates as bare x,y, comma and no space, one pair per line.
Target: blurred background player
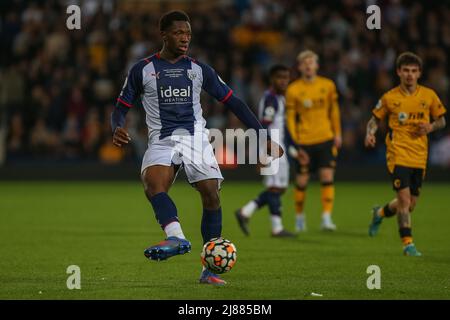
409,109
169,84
272,116
313,120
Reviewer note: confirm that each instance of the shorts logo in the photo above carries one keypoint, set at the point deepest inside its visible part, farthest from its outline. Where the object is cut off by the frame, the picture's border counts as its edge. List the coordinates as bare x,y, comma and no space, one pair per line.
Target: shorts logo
397,183
191,74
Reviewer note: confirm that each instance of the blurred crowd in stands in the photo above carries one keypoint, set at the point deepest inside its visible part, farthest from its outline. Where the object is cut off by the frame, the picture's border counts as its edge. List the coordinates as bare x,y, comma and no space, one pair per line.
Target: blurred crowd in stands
58,86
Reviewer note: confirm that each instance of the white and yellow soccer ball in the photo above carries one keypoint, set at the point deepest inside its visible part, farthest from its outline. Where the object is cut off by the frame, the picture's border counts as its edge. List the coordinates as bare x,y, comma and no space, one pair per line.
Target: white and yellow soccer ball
218,255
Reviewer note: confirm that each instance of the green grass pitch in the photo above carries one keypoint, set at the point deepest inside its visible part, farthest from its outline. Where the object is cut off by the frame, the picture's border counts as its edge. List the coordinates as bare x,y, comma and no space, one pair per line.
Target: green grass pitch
103,227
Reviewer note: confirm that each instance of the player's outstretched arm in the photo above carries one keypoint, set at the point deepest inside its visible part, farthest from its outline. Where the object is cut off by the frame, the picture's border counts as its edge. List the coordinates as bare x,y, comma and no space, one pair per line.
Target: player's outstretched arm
372,127
215,86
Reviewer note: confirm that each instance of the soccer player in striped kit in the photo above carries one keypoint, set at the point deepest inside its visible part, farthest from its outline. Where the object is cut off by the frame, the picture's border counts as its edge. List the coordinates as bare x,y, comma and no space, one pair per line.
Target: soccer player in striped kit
169,84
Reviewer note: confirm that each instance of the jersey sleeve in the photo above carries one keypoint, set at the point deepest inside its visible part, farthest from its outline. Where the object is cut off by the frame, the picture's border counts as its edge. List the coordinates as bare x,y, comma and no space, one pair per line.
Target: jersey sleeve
333,93
437,109
269,109
380,111
291,114
132,87
335,114
214,85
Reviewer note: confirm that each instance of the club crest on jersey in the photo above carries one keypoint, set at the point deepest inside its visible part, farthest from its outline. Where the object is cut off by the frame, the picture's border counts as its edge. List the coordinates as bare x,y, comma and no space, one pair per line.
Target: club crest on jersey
269,113
307,103
191,74
423,104
402,117
156,75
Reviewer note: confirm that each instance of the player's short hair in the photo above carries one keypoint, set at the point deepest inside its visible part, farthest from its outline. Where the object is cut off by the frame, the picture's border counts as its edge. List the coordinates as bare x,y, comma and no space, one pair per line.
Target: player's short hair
307,54
408,58
276,68
168,18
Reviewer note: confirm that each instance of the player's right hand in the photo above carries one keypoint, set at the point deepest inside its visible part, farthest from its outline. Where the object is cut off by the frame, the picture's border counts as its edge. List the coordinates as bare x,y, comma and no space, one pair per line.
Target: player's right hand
274,149
120,137
370,141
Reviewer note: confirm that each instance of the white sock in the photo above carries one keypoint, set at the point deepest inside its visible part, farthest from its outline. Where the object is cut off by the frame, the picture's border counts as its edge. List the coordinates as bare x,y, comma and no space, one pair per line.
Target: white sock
277,225
300,216
249,208
173,229
326,217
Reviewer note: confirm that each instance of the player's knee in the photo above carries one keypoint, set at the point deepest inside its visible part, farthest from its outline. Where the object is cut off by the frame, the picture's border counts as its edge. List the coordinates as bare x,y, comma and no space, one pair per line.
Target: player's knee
404,201
302,181
152,187
327,177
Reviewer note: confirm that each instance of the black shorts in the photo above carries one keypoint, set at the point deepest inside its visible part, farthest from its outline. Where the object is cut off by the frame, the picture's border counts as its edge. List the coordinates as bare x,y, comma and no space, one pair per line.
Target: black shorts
321,155
404,177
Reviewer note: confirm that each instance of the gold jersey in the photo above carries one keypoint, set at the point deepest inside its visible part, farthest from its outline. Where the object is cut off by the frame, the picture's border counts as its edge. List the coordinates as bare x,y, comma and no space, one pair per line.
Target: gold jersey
404,112
312,111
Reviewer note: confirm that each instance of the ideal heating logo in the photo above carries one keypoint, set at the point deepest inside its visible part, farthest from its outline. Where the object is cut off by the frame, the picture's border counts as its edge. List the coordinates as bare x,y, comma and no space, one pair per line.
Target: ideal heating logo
175,95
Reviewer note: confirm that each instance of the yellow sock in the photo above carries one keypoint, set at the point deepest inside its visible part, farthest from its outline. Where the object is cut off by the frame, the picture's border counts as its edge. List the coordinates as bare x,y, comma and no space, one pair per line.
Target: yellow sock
407,240
327,196
406,235
299,198
381,212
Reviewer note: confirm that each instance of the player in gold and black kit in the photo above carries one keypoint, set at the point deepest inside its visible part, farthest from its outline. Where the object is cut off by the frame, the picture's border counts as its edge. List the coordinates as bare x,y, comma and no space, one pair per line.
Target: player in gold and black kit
313,120
412,111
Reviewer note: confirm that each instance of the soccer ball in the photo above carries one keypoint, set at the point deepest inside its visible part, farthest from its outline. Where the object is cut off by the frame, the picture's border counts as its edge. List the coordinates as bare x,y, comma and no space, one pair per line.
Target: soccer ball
219,255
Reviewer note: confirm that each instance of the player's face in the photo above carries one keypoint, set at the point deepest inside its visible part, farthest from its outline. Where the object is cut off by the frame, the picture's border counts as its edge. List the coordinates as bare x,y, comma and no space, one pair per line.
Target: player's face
280,80
409,74
308,67
178,37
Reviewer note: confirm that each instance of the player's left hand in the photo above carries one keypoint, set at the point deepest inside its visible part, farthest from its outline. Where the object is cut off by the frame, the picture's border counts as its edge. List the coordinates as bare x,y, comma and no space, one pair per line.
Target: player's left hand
338,142
303,157
274,149
423,129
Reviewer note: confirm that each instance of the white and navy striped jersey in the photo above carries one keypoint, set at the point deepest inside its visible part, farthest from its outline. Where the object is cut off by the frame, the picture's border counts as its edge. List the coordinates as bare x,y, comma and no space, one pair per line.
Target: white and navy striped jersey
271,113
170,93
